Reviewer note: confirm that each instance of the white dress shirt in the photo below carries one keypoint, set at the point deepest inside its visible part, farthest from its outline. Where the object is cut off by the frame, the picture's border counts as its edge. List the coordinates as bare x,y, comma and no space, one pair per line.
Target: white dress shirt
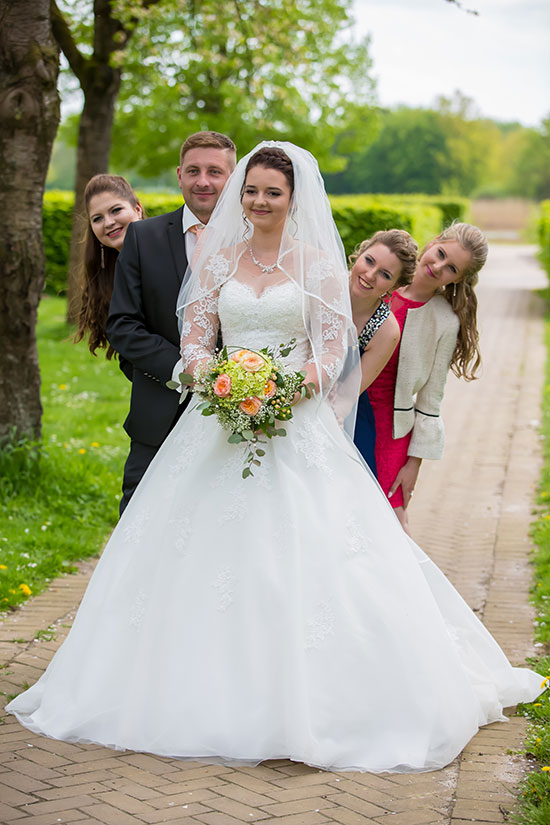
188,220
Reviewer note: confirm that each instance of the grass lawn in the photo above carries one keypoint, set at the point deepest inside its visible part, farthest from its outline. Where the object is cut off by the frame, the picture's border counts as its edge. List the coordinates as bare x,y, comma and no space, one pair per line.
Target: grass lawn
59,502
534,800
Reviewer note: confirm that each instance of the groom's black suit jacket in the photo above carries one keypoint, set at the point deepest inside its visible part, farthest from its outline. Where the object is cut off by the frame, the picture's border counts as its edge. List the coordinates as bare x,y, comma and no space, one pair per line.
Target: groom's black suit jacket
142,324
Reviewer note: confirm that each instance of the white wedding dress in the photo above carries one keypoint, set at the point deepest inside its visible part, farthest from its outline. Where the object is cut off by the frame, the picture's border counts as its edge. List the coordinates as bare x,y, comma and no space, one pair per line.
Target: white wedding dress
285,615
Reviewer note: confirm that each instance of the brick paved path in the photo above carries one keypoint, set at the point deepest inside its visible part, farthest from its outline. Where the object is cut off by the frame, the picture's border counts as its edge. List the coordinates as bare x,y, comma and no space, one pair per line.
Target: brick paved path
471,514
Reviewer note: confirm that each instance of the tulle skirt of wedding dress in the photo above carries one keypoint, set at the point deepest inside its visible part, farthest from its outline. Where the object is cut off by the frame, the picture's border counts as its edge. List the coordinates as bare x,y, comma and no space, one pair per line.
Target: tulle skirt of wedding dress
285,615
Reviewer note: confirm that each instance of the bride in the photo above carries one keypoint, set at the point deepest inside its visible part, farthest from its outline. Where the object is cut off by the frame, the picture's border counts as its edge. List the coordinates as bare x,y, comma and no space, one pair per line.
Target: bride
286,614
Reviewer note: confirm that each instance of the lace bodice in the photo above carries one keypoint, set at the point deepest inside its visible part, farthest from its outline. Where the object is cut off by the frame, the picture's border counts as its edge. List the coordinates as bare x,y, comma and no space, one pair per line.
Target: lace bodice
273,318
265,311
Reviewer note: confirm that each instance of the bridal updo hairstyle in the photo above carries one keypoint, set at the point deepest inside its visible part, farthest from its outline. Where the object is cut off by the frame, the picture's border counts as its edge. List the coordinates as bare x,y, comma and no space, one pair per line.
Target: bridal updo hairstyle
271,157
98,268
461,296
403,246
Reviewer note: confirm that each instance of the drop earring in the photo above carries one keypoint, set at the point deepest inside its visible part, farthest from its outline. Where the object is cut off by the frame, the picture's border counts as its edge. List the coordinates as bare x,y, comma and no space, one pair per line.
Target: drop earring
454,290
102,256
246,227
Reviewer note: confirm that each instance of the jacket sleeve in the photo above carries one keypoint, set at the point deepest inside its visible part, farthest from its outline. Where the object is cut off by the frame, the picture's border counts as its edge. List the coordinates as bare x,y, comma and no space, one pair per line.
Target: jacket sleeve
127,328
428,434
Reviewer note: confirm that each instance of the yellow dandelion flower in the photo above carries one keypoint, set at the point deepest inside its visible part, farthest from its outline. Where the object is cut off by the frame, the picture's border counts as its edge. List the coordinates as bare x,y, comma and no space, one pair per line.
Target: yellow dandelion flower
3,566
82,451
25,589
546,767
94,444
545,682
538,740
538,705
62,386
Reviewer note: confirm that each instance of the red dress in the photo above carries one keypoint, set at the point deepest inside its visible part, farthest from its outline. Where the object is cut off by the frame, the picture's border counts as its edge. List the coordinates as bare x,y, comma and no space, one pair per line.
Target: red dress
391,453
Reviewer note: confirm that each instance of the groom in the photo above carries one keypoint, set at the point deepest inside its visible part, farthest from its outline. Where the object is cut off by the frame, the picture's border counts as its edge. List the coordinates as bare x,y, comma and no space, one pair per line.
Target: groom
142,325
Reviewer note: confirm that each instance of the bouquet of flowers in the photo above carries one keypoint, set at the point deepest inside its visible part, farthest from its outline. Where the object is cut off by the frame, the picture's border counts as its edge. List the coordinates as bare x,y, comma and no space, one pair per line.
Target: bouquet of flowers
249,391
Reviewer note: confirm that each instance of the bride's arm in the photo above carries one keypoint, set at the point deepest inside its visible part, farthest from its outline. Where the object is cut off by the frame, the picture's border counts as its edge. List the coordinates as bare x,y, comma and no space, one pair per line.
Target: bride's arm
330,340
199,331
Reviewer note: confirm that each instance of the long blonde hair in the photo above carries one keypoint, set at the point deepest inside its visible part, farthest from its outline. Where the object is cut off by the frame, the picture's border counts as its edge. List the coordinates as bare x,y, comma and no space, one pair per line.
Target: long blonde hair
461,296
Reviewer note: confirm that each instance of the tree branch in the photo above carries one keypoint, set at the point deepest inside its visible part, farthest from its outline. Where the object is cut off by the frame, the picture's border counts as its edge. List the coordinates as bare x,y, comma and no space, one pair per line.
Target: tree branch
107,27
461,6
66,43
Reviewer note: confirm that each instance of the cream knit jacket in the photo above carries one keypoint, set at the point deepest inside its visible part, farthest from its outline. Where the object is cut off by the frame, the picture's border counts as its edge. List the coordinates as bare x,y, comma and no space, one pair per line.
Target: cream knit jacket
427,345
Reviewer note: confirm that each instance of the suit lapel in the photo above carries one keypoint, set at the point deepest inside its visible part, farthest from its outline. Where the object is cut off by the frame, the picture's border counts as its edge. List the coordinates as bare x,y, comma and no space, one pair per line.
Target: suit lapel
177,244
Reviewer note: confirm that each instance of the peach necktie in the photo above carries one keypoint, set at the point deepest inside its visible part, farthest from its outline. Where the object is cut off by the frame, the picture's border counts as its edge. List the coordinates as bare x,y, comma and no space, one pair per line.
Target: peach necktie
196,229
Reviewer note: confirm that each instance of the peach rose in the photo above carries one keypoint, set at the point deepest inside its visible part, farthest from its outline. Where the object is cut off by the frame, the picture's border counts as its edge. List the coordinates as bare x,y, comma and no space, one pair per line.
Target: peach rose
236,356
252,362
222,385
251,405
270,389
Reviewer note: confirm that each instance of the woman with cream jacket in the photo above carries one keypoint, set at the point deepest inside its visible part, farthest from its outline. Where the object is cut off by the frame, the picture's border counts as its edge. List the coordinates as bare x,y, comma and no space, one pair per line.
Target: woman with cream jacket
437,317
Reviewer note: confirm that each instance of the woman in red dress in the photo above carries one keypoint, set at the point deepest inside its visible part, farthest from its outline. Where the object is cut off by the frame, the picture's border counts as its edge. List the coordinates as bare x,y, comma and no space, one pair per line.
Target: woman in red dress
437,317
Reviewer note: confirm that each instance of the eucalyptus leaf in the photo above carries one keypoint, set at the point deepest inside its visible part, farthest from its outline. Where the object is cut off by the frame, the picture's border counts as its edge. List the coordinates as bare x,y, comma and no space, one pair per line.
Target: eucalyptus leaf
172,385
248,434
260,452
235,438
247,472
185,378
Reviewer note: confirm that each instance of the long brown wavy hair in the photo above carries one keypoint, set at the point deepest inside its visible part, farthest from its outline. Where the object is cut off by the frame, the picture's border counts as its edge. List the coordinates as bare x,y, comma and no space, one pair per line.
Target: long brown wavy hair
97,270
461,296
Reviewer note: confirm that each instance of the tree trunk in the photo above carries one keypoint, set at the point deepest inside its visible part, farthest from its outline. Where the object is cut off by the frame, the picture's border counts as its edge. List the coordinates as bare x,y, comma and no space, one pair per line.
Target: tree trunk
29,117
94,147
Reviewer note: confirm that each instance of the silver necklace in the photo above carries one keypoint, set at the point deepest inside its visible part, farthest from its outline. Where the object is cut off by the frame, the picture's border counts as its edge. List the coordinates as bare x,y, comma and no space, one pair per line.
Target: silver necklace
267,270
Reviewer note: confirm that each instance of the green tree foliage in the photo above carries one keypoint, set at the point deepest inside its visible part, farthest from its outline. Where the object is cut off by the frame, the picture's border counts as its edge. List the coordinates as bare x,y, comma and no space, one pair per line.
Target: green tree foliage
406,156
531,174
449,148
250,68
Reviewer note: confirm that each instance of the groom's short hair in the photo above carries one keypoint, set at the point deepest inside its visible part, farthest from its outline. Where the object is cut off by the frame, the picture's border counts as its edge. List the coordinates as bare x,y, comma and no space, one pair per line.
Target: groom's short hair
208,140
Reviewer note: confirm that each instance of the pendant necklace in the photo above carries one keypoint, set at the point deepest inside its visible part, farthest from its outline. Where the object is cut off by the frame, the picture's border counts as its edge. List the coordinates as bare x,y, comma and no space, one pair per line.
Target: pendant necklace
267,270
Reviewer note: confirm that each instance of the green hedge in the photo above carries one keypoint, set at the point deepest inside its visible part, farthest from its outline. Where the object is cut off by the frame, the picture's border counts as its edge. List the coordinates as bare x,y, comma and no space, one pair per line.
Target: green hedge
56,227
359,216
544,236
453,208
356,216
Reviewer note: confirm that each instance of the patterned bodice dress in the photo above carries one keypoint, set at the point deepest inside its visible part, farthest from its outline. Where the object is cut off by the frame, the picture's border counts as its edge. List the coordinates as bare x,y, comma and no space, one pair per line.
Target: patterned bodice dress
365,427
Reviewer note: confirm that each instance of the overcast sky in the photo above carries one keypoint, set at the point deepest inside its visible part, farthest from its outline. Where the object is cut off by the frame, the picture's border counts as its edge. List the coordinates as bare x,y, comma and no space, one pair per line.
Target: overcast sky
424,48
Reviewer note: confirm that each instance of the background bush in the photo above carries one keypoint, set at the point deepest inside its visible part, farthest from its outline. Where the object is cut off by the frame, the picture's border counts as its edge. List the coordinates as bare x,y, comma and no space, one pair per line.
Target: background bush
357,217
544,236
